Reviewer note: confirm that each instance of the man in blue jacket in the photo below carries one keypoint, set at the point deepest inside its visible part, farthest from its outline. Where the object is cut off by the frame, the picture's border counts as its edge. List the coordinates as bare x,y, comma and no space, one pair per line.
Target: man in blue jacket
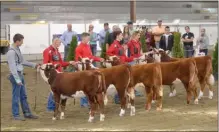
16,63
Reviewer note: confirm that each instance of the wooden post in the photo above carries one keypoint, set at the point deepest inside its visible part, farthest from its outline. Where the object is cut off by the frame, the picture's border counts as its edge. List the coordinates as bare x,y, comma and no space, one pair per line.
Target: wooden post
133,11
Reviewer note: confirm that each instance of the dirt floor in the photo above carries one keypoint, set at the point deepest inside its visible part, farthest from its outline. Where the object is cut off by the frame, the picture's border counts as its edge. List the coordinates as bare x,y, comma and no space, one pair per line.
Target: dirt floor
176,114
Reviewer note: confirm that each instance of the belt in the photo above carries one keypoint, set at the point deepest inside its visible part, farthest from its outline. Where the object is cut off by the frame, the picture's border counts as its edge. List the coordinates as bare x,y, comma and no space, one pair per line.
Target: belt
21,72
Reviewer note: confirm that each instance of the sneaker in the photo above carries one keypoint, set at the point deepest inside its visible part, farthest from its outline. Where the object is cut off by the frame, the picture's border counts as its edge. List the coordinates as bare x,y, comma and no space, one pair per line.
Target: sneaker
19,118
31,117
138,93
85,105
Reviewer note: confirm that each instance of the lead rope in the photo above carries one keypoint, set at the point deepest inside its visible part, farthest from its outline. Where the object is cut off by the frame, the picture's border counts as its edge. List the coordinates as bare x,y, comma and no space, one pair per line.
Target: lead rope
35,91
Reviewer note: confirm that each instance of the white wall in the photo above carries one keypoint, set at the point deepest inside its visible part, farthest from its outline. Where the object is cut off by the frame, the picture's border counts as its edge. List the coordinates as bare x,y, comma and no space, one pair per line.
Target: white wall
35,37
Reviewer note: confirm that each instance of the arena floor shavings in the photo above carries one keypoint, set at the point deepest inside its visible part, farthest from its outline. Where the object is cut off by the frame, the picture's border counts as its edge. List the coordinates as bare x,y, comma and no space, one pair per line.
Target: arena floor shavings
176,114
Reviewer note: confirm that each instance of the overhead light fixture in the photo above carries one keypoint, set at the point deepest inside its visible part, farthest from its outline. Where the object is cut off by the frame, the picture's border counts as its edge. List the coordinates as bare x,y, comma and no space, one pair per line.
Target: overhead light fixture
95,22
16,9
143,22
42,22
176,21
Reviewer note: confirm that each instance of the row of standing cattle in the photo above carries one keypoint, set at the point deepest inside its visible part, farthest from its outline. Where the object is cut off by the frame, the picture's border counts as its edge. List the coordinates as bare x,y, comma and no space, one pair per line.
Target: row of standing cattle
93,82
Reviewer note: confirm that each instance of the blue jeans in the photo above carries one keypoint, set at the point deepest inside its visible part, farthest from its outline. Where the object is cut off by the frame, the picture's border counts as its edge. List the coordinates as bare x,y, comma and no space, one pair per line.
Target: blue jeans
93,49
66,48
51,103
19,95
157,44
94,52
132,63
84,102
188,51
204,50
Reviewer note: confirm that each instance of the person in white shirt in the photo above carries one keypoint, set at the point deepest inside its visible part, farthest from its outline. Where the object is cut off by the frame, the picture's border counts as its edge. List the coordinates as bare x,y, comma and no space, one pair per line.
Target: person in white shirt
203,42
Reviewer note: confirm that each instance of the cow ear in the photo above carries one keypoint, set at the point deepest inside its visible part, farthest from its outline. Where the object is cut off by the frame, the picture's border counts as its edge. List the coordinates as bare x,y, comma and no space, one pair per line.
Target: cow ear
79,59
167,52
107,57
56,66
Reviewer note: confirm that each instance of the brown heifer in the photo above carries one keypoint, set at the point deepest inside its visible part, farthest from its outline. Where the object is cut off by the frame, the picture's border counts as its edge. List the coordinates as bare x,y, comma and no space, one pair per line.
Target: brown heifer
185,71
121,77
63,85
150,75
204,66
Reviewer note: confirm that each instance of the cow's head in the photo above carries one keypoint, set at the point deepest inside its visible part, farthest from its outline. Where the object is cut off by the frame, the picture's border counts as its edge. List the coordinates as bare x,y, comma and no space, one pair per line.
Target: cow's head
84,64
48,71
156,55
111,61
165,55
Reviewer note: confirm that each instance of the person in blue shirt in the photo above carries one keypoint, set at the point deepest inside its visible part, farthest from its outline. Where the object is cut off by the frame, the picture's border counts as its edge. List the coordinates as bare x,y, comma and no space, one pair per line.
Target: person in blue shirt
66,39
93,41
16,62
102,34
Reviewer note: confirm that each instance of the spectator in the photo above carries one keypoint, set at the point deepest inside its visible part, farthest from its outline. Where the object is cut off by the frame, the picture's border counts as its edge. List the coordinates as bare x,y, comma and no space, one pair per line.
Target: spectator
148,38
66,39
102,34
126,34
16,62
158,31
203,42
112,37
93,41
130,25
187,39
166,41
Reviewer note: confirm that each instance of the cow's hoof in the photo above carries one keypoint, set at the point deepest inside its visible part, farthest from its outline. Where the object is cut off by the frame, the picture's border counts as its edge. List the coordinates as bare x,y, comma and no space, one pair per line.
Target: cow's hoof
170,94
210,95
174,92
132,112
91,119
153,101
102,117
147,107
54,118
196,101
129,105
62,116
158,109
200,95
122,112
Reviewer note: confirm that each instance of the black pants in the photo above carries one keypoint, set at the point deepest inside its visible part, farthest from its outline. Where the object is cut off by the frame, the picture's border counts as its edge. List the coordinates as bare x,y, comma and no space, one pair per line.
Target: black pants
204,50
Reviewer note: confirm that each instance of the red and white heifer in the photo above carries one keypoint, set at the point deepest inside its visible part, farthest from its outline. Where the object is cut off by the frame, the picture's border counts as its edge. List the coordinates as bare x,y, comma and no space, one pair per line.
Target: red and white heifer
75,84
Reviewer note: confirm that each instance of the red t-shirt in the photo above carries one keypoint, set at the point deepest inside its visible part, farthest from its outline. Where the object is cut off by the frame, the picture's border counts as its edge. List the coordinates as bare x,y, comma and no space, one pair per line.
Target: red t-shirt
116,49
83,51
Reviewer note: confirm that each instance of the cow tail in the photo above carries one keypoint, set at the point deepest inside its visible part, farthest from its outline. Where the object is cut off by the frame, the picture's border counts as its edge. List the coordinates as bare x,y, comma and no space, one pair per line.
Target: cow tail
193,71
209,76
104,89
102,86
130,83
157,78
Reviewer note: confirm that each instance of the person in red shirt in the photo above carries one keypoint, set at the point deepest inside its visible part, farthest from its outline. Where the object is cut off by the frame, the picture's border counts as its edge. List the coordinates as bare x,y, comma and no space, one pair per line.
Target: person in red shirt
52,55
117,49
84,51
134,45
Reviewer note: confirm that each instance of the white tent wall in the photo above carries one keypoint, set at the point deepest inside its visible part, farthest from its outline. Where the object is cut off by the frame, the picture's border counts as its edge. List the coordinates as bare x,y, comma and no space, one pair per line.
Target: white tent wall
39,36
35,37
